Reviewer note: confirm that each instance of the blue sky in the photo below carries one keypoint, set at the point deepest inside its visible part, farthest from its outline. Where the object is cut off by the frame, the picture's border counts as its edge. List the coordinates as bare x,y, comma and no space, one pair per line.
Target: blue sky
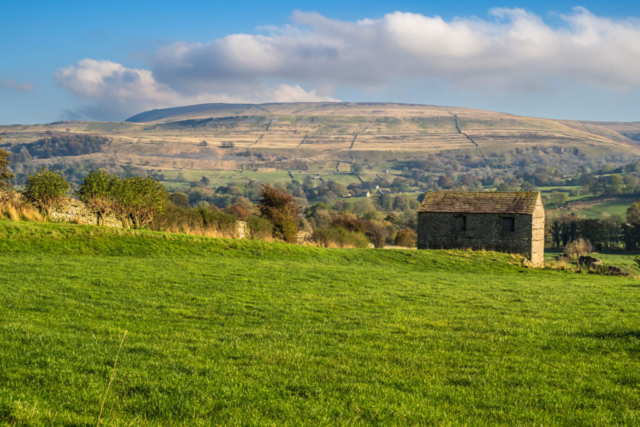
548,60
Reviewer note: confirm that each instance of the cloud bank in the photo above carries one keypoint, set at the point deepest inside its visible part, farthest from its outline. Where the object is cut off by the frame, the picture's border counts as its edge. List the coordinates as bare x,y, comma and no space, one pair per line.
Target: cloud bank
510,50
11,84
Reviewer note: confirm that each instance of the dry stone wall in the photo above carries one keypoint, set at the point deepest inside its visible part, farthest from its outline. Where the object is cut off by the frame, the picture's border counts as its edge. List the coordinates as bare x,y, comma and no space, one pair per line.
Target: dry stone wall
76,211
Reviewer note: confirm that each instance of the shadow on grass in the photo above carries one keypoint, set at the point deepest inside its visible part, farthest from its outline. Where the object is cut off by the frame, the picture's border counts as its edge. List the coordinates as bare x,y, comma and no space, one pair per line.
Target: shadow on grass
611,335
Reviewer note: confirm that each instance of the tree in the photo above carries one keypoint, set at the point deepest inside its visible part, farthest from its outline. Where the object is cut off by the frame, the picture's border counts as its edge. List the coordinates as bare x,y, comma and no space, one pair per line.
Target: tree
631,184
356,168
377,233
559,198
96,191
139,200
5,175
616,185
278,207
180,200
46,190
445,182
633,213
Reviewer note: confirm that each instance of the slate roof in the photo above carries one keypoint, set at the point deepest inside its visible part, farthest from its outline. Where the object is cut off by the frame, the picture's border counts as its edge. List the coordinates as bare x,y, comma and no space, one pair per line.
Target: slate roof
480,202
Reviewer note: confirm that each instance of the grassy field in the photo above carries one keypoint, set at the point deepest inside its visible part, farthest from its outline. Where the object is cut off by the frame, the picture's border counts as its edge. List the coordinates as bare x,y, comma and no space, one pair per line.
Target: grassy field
615,208
252,333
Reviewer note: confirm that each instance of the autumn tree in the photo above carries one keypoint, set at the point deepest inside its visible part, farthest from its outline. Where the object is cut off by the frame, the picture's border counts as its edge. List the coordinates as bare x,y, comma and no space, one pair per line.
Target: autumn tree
279,208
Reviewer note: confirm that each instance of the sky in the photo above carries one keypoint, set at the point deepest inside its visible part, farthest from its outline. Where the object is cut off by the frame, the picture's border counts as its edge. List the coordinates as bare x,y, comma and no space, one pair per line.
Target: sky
85,60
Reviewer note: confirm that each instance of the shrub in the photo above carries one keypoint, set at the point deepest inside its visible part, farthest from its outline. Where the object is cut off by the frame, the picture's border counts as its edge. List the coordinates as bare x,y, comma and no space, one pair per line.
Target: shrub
339,237
348,221
278,207
97,192
377,233
406,237
578,247
260,228
202,221
46,190
180,199
216,219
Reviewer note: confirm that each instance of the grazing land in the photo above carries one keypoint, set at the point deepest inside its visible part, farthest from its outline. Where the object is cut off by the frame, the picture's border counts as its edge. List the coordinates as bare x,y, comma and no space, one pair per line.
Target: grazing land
254,333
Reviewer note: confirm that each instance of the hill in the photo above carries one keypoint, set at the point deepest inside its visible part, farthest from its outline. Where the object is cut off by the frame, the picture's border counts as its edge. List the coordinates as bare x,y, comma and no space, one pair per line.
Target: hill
243,332
272,142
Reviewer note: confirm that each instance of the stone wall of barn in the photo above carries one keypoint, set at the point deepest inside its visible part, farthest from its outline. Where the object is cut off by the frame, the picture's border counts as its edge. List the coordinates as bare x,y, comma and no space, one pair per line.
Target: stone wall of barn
537,235
484,231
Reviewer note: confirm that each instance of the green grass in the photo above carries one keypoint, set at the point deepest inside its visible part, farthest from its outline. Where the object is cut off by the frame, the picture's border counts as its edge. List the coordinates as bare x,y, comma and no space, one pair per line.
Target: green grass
252,333
615,208
622,259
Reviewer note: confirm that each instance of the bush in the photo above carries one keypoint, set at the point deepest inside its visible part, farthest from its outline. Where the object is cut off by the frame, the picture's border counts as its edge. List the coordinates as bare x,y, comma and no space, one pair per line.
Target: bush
278,207
201,221
97,192
578,247
46,190
339,237
260,228
377,233
348,221
180,199
407,238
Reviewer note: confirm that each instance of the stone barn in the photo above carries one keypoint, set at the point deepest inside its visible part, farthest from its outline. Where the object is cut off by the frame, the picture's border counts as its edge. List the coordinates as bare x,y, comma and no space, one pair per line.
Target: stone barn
499,221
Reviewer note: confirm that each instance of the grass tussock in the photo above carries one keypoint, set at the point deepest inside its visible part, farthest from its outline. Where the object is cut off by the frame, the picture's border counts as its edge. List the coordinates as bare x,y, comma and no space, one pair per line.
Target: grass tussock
14,209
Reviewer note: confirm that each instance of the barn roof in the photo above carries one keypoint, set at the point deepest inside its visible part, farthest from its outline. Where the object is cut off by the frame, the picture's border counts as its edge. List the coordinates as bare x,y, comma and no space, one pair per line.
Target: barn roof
480,202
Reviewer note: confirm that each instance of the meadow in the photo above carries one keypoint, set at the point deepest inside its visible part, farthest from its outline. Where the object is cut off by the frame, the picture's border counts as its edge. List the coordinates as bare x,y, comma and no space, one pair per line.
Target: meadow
229,332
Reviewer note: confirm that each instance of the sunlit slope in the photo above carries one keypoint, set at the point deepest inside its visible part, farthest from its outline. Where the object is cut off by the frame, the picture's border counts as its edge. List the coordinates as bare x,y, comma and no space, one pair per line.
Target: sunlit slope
194,137
375,126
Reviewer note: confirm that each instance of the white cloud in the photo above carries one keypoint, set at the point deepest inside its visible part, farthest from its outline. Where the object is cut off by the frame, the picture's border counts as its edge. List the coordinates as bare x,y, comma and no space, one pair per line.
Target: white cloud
11,84
510,50
119,91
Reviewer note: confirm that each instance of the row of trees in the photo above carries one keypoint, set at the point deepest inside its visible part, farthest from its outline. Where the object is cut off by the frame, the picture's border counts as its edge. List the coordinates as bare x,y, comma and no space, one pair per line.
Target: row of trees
607,233
135,201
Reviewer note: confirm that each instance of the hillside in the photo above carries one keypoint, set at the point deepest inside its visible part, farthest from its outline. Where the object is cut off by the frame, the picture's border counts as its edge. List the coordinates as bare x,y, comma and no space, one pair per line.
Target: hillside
254,333
307,136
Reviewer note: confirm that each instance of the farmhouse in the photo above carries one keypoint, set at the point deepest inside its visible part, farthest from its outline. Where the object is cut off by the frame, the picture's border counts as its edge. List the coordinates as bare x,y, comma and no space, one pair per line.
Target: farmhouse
500,221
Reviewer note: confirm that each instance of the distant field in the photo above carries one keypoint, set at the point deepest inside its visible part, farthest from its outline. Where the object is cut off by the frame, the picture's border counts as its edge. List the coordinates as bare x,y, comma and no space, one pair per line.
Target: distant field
252,333
616,208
